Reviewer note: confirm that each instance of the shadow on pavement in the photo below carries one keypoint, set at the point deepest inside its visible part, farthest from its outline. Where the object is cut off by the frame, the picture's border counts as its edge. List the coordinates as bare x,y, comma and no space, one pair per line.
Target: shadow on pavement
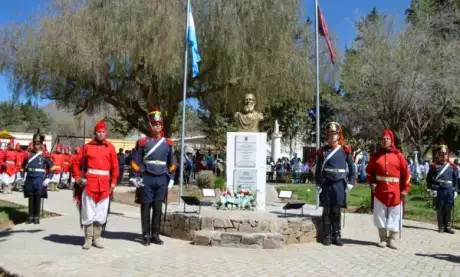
417,227
79,240
445,257
9,232
65,239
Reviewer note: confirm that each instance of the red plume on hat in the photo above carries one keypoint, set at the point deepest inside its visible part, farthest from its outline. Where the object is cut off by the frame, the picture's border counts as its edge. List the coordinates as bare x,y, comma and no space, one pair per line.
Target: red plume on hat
100,126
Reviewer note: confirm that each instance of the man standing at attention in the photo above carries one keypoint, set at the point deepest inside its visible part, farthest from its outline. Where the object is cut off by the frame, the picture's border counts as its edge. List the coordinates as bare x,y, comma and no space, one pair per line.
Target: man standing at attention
389,177
96,175
154,167
442,181
334,181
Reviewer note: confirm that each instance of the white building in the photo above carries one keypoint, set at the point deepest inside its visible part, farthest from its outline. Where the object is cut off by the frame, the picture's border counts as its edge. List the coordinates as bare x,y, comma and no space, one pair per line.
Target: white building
24,139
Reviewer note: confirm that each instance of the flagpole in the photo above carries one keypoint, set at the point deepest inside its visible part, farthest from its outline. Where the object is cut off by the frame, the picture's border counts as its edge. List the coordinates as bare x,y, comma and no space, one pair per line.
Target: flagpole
318,146
184,98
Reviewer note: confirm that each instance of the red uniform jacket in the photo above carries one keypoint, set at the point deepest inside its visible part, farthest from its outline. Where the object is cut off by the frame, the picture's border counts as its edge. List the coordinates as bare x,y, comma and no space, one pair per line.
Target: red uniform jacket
101,170
2,160
66,162
389,171
20,158
9,161
58,161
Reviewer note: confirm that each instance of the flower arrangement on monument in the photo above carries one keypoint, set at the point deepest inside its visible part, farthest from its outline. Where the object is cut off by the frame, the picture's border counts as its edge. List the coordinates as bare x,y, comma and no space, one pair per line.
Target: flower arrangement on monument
242,199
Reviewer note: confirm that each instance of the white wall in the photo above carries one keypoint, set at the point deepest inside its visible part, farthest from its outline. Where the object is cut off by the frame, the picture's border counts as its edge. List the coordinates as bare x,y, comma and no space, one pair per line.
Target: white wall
24,139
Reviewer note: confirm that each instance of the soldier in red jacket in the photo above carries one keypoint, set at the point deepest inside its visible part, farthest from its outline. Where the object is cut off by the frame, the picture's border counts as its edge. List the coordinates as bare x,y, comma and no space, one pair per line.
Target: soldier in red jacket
9,161
389,178
96,175
57,158
21,157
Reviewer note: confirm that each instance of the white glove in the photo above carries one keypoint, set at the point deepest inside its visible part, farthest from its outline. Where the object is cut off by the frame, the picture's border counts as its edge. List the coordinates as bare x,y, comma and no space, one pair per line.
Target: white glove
455,194
46,182
137,182
434,193
373,186
348,189
318,189
170,184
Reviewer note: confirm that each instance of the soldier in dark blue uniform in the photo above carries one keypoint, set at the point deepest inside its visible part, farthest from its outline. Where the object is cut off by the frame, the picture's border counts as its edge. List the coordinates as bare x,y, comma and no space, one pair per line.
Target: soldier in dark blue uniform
335,176
36,178
154,168
442,181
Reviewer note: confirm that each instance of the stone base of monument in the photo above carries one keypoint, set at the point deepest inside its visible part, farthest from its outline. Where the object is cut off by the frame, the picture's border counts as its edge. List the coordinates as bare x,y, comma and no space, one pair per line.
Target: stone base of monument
243,229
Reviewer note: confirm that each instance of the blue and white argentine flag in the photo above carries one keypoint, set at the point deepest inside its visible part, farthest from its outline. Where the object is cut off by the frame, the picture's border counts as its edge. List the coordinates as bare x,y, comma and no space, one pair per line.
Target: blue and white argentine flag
193,42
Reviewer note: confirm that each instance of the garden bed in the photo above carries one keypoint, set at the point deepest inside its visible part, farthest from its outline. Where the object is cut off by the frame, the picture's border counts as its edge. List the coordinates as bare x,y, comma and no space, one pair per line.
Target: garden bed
12,214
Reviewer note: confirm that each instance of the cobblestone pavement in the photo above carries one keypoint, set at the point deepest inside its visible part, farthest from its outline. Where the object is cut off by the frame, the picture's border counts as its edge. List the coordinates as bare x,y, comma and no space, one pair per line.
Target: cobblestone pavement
53,248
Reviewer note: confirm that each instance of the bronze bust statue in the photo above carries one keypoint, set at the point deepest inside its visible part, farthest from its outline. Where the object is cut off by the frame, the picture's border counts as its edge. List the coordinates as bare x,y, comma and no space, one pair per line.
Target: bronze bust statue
248,119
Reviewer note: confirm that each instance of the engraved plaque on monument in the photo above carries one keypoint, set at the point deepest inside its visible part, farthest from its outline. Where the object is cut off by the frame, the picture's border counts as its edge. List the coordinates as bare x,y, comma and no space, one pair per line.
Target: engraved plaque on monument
245,151
245,179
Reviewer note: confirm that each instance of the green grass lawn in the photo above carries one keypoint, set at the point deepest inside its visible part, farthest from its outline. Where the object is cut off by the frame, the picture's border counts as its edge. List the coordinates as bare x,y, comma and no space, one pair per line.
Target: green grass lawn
418,207
16,213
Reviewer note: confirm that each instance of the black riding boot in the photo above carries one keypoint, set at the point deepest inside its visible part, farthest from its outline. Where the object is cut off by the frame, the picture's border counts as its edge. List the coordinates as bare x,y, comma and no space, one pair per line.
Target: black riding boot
448,218
145,221
37,205
156,221
326,226
440,216
30,219
335,218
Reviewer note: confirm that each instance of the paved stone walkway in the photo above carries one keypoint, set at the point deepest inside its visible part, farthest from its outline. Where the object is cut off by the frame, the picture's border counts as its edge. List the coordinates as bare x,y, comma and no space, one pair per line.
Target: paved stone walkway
53,248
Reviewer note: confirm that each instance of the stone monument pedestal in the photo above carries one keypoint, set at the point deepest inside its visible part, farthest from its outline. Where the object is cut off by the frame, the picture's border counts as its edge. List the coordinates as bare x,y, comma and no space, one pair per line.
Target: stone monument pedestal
246,163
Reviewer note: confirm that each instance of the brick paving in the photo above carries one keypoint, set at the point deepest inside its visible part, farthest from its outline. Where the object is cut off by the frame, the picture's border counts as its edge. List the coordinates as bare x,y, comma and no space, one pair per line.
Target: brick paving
53,248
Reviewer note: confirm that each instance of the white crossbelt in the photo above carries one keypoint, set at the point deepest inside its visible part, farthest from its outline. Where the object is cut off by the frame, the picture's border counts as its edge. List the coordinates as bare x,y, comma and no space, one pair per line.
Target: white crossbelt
35,170
10,162
387,179
98,172
156,162
444,181
335,170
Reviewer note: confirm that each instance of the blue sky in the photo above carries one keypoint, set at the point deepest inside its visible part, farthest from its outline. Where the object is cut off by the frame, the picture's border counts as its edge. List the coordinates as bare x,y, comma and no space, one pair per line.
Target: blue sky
339,14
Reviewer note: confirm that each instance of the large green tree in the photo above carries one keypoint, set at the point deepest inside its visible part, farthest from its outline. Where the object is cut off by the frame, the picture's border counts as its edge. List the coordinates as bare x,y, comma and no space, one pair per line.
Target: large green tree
23,117
129,54
406,79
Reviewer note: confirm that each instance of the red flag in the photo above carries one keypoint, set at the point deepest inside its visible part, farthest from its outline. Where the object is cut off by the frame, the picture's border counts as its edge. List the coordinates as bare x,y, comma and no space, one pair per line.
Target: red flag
323,31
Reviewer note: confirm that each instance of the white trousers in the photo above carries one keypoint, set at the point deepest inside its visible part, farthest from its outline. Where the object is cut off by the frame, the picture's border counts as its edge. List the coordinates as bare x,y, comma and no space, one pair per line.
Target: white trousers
65,177
387,217
56,178
18,176
93,212
7,179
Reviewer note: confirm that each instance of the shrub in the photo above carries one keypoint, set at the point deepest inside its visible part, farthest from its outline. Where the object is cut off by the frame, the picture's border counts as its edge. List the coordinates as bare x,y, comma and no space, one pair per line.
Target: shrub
205,179
219,183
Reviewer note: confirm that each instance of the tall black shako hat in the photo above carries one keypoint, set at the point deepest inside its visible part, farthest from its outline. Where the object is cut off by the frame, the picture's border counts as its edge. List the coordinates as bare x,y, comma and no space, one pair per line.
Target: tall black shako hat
38,137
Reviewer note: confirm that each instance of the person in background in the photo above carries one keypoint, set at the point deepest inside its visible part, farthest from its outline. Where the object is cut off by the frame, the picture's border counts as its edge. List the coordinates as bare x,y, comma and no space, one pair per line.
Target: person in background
121,165
209,160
